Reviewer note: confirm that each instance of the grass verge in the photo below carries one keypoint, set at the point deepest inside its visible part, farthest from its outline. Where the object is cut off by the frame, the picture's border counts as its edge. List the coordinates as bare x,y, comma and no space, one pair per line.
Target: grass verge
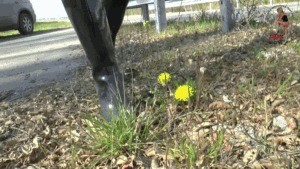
40,26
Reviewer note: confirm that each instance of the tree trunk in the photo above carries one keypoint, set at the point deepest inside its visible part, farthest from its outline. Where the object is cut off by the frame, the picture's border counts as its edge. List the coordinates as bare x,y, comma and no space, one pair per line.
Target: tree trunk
227,15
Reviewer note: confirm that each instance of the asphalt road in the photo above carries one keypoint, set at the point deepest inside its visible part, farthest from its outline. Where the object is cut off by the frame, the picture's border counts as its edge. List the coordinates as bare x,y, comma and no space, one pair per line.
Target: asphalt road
27,62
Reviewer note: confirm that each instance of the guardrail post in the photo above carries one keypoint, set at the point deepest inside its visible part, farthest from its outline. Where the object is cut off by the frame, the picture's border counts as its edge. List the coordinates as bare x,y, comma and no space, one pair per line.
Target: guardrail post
227,14
145,12
160,15
237,4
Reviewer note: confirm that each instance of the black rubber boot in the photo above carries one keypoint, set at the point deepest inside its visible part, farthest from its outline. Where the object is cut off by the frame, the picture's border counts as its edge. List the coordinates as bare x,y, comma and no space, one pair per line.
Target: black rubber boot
90,22
110,88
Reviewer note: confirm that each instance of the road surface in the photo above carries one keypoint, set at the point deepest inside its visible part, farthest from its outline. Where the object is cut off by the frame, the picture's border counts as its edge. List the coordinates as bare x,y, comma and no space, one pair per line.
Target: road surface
32,61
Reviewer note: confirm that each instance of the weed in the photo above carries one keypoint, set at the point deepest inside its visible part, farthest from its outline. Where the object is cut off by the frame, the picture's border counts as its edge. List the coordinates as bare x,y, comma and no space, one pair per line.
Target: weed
215,150
248,89
282,89
186,150
296,46
189,150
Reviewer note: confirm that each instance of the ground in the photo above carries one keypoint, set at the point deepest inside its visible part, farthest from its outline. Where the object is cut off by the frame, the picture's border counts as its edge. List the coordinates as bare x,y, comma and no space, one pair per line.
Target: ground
244,113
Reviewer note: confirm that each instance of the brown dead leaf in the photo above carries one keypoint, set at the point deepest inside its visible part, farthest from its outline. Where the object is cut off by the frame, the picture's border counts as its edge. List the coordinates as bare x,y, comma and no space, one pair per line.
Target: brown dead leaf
156,152
270,98
128,166
218,105
26,149
121,160
292,123
277,103
75,135
250,156
35,142
155,163
264,164
37,118
36,155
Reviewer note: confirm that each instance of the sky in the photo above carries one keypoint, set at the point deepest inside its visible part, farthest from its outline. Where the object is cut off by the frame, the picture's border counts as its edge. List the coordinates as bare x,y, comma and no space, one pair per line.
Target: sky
48,9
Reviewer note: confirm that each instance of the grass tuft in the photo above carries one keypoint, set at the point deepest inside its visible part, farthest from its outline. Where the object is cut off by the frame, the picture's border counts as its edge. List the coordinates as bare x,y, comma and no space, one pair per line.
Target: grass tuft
125,135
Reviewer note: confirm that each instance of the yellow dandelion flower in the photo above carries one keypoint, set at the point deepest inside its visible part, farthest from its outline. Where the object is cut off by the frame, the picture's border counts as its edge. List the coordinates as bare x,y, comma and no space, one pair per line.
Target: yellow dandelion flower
164,78
184,93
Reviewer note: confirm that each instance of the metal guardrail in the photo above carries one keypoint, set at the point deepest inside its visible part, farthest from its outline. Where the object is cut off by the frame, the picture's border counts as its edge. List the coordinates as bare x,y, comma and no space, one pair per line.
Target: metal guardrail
169,3
137,4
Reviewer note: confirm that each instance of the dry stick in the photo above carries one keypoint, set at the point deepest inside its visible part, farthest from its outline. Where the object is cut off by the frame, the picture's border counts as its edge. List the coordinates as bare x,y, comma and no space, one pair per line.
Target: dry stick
167,150
298,102
254,139
73,92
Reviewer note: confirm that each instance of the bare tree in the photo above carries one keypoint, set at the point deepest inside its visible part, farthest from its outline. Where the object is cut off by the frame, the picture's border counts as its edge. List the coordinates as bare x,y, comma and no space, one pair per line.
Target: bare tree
249,9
